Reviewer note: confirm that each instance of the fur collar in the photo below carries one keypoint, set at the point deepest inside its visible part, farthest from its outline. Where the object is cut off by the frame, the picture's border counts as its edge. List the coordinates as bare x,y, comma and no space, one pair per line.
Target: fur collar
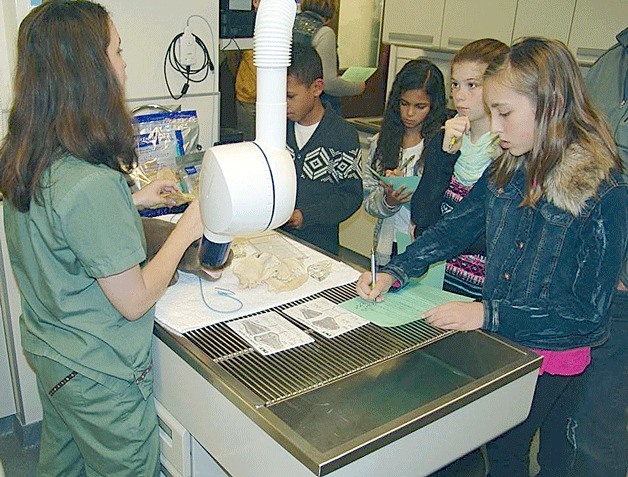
577,178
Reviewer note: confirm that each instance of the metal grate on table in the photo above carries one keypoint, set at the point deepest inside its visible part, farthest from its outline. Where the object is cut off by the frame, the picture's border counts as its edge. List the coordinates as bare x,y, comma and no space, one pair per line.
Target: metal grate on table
286,374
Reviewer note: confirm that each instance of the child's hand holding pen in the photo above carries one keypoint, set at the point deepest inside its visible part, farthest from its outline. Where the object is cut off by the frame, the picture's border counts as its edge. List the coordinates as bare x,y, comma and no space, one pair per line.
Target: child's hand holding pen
373,290
455,128
373,268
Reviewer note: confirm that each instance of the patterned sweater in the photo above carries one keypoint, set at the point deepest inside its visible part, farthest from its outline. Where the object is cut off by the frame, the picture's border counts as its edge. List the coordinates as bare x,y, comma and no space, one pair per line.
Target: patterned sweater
329,183
465,273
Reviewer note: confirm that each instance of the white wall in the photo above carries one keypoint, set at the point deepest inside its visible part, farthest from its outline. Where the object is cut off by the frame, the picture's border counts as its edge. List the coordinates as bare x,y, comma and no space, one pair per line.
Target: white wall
18,389
146,30
8,31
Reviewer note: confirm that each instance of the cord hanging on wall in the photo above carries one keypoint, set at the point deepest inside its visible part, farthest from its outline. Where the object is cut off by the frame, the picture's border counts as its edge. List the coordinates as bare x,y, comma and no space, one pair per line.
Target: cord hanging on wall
184,61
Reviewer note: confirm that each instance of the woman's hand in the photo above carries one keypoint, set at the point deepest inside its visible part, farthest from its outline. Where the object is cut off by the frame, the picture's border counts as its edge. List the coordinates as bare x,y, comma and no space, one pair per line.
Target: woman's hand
153,194
456,315
365,289
455,128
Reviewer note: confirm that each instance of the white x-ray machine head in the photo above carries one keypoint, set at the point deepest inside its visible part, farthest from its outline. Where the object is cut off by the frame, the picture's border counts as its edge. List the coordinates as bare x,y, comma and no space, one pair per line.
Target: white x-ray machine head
250,187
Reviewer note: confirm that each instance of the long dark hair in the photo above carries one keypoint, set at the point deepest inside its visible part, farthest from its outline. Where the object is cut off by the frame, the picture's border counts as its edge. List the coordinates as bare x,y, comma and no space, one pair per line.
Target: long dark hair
67,99
416,74
546,72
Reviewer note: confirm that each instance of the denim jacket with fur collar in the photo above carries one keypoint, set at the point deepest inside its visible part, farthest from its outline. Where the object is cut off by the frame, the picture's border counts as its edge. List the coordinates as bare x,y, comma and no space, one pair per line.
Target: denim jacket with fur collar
552,269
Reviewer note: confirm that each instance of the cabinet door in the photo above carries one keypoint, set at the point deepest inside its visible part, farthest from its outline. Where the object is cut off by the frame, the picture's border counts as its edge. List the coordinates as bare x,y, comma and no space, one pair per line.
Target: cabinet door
356,233
595,24
399,56
415,22
7,401
551,19
466,21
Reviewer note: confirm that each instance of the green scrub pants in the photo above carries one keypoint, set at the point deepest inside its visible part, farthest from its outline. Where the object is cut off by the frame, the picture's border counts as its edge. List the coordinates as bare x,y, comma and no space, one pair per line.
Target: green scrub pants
92,429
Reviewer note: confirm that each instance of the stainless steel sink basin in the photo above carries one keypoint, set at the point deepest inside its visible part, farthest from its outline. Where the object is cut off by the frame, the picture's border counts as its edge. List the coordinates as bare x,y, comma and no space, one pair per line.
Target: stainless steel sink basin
370,124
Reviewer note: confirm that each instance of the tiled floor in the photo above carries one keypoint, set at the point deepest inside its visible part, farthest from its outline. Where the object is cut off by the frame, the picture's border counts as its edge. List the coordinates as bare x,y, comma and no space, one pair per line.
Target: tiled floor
17,462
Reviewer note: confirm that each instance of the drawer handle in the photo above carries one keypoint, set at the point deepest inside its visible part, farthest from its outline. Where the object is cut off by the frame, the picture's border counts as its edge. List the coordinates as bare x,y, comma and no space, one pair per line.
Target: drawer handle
589,52
411,37
454,41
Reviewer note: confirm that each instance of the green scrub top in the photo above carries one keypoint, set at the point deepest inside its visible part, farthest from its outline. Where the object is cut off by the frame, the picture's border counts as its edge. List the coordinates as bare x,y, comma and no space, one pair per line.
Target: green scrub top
84,227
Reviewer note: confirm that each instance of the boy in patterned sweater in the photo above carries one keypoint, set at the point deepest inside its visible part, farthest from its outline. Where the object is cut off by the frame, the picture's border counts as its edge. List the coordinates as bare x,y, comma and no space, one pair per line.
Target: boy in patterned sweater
326,152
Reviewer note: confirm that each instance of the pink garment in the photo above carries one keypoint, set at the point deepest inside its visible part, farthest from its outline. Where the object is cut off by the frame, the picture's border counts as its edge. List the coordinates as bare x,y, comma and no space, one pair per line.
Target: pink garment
564,363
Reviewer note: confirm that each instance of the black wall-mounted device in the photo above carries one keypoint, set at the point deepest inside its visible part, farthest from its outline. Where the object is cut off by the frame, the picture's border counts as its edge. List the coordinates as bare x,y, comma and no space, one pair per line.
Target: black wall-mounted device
237,19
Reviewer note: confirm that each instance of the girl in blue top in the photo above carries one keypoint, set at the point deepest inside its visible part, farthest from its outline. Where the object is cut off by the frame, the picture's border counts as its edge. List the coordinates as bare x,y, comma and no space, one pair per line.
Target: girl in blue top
554,208
408,145
77,247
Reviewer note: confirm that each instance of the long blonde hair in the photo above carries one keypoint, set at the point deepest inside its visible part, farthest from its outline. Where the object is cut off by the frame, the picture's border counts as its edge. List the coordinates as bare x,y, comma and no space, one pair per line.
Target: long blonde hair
545,71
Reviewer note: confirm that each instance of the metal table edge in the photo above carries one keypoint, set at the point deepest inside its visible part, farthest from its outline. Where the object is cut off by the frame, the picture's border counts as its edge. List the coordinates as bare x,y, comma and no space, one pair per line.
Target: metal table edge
324,463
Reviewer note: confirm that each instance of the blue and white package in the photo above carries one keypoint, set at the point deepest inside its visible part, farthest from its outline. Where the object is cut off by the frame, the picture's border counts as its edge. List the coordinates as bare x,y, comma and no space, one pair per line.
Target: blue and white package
164,136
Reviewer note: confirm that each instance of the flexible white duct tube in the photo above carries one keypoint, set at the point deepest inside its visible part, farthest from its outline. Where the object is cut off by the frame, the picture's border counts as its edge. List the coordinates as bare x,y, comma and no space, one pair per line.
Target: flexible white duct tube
272,42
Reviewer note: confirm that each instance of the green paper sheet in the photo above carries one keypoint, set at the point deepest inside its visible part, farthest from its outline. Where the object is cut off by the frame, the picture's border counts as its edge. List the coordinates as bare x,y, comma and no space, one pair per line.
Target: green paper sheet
403,306
409,182
358,73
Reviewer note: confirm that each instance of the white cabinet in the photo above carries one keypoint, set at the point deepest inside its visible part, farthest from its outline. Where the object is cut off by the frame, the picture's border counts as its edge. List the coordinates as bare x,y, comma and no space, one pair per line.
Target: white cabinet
415,22
595,24
587,26
356,233
180,454
400,55
551,19
447,24
7,402
466,21
27,405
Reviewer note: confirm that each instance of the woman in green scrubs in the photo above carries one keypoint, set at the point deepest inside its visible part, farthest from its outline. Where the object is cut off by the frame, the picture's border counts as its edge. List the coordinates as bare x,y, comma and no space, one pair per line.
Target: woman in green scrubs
77,247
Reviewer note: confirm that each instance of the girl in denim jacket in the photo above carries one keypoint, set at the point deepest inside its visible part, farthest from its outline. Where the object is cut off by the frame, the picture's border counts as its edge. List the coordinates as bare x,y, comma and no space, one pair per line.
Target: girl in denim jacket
554,208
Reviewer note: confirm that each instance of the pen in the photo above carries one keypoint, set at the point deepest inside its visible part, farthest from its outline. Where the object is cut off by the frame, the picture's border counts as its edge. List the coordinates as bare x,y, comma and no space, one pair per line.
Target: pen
372,268
452,141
